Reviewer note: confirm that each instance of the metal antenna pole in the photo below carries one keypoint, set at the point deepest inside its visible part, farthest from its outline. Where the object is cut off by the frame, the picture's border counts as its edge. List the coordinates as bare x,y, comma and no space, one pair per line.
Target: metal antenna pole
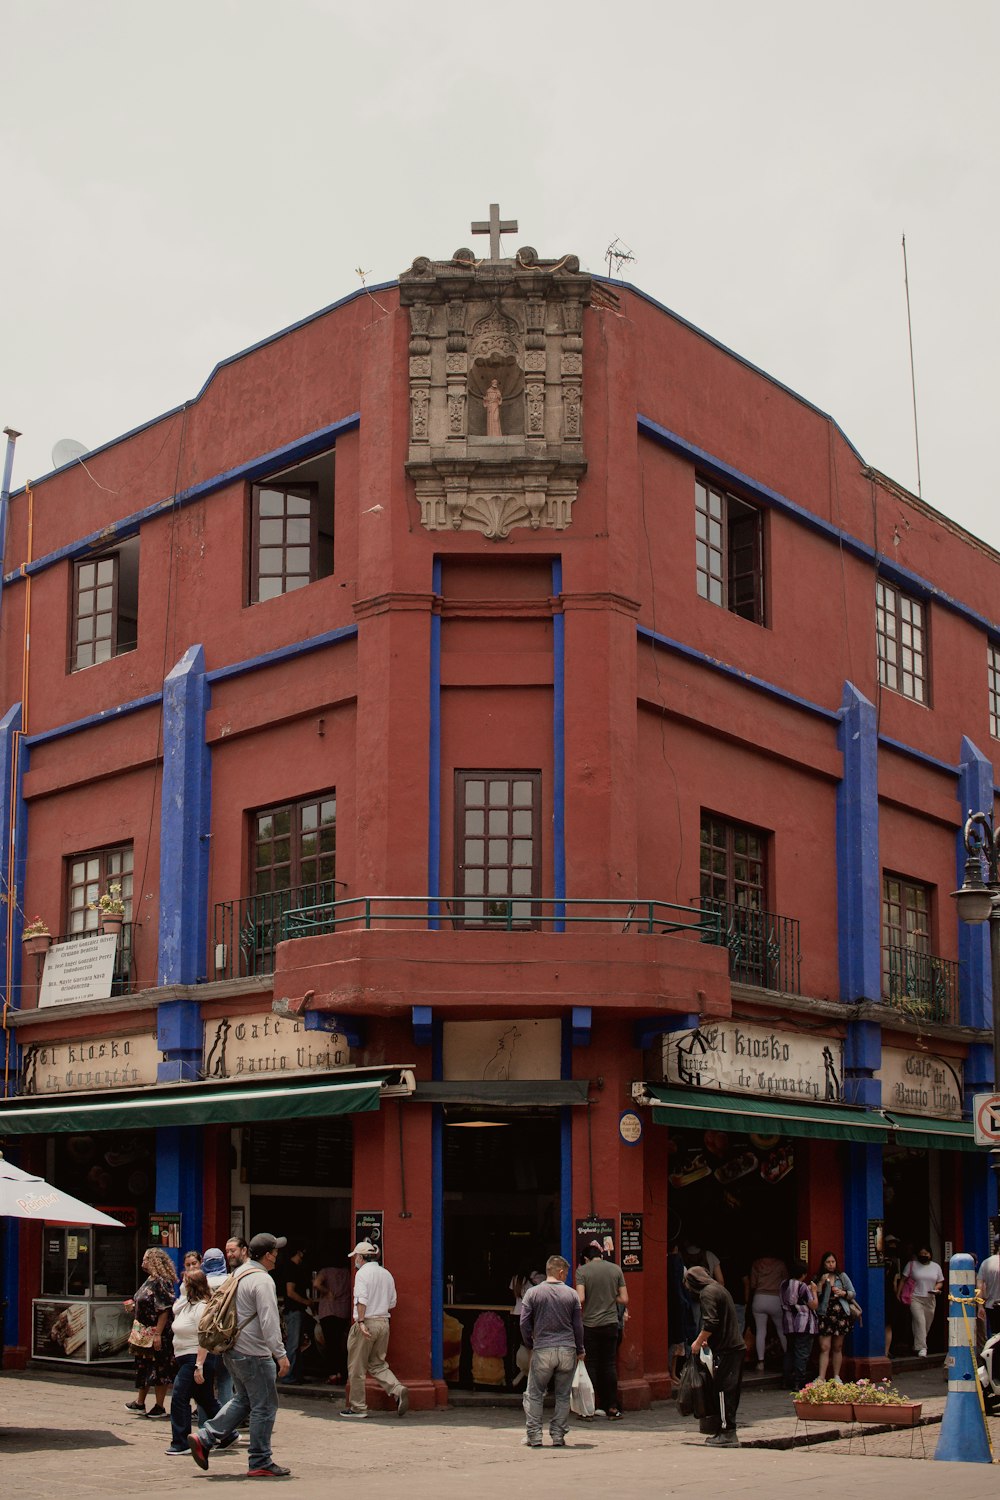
913,382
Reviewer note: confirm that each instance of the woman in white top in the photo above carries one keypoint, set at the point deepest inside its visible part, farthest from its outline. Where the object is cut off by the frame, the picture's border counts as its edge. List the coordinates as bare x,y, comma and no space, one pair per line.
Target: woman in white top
928,1279
194,1369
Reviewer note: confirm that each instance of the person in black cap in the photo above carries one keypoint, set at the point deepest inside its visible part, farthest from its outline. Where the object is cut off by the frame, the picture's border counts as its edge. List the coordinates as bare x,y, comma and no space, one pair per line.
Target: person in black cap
720,1331
251,1363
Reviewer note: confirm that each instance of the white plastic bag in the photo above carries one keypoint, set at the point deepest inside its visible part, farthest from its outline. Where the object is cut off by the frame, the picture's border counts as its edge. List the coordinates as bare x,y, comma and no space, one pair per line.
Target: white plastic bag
581,1396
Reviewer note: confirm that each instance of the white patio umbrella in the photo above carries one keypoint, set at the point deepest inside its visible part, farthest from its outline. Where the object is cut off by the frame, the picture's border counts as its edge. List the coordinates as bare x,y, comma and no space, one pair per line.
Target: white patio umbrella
24,1196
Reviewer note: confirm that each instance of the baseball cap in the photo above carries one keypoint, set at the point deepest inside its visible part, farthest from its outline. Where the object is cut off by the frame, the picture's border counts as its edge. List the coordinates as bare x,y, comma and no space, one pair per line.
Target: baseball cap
363,1247
261,1244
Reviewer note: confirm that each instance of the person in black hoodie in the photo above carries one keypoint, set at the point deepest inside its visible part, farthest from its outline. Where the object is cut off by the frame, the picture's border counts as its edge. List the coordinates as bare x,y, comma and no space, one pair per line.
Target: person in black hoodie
720,1331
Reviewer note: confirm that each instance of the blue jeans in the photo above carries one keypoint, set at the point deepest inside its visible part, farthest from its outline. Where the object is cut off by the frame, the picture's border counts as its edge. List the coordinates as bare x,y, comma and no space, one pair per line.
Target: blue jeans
797,1352
255,1395
547,1364
185,1386
293,1338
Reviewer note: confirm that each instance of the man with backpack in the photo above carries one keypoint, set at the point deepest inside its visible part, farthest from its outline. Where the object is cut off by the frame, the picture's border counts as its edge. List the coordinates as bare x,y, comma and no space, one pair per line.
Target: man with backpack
241,1321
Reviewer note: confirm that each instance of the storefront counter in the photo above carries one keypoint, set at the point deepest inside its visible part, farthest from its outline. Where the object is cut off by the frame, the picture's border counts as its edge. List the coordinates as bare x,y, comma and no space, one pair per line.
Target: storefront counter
92,1332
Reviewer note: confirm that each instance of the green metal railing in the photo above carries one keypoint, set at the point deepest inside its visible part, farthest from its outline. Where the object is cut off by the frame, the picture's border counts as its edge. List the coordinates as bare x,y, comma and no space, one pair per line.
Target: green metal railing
245,933
763,946
921,985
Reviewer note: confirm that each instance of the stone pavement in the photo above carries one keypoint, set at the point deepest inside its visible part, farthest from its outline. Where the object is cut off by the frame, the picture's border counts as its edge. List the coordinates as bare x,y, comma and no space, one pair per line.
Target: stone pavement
70,1433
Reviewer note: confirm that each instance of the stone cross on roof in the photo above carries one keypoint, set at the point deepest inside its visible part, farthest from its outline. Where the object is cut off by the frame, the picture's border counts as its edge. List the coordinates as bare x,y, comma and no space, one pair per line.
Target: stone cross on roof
494,226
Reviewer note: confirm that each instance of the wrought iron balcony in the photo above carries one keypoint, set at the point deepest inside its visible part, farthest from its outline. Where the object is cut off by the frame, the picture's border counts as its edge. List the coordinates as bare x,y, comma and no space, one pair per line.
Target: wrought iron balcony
247,932
763,947
123,974
921,984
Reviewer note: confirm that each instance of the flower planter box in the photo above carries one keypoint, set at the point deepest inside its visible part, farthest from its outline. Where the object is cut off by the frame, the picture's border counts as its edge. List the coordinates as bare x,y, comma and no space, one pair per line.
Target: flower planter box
825,1411
889,1416
39,943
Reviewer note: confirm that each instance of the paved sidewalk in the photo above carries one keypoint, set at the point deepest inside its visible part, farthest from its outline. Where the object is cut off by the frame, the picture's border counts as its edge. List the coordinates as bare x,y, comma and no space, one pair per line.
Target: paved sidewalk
67,1433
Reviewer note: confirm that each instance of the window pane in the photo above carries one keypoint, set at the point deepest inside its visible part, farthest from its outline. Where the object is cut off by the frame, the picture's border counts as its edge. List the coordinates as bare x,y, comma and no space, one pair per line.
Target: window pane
106,570
521,823
520,882
297,559
270,503
310,816
498,793
522,794
498,851
297,531
474,882
475,793
521,852
498,821
474,822
269,588
271,559
87,575
498,883
272,533
475,851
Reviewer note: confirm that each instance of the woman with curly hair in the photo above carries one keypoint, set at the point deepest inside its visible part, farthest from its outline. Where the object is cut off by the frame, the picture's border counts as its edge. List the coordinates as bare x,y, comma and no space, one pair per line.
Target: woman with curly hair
152,1306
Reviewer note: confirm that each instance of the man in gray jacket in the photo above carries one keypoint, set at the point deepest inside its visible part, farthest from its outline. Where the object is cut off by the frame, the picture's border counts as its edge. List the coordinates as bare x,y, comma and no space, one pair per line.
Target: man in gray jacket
552,1328
251,1363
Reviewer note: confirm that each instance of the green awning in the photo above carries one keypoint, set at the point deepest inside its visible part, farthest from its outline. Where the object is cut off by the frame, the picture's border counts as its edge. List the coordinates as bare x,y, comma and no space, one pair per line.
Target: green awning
709,1110
933,1135
199,1104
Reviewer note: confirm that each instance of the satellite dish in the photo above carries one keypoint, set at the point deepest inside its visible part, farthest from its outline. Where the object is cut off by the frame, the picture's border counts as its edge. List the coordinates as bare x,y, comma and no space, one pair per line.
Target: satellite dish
66,450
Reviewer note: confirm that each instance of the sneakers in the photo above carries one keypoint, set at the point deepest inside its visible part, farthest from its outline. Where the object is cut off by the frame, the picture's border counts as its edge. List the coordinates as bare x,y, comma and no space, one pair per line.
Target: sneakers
156,1413
232,1441
173,1452
198,1450
269,1471
353,1416
614,1415
726,1439
527,1442
139,1407
402,1402
558,1442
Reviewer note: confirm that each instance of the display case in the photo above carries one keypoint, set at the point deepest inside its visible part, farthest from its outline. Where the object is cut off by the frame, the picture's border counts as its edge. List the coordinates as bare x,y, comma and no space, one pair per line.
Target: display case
87,1274
80,1332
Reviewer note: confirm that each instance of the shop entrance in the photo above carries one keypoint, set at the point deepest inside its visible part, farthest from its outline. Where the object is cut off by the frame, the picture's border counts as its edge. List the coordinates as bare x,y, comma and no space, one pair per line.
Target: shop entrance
501,1173
912,1198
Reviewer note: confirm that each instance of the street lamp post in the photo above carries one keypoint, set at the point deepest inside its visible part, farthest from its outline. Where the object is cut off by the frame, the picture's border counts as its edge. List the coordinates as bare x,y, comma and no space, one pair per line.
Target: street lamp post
980,902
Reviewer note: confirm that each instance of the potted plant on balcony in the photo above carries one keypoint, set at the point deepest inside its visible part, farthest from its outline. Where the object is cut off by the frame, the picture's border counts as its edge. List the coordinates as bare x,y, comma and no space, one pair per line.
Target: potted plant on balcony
879,1401
110,910
825,1401
36,937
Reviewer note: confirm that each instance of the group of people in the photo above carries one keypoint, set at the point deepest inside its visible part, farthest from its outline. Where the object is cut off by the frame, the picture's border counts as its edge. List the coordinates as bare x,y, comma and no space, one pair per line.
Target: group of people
239,1388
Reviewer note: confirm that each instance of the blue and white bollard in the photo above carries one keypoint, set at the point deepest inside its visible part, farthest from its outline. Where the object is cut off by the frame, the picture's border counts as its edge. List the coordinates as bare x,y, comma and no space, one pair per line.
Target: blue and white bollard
963,1431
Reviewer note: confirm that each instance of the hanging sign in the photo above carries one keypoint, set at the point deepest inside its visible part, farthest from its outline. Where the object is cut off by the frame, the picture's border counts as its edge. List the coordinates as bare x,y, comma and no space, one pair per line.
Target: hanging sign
165,1231
369,1225
101,1062
630,1127
748,1058
597,1234
922,1083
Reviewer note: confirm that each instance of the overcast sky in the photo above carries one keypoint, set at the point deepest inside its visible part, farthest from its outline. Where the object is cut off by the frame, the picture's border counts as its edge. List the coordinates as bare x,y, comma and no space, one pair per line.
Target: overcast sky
183,179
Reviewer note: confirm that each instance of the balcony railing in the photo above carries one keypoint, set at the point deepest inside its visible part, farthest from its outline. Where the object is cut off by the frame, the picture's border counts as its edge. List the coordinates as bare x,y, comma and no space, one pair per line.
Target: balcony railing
763,947
123,974
247,932
921,985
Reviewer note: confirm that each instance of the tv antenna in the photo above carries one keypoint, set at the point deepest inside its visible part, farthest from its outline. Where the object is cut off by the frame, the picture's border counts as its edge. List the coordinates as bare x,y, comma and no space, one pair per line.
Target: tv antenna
619,254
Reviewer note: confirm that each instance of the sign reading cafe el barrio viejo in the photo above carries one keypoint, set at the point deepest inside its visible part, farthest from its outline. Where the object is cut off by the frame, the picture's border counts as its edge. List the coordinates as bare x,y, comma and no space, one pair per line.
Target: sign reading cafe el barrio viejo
241,1045
752,1059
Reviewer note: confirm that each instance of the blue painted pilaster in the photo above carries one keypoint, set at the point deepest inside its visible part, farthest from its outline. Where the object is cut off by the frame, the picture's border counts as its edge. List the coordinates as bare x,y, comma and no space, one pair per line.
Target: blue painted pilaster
979,1200
863,1201
567,1239
179,1181
180,1037
185,824
437,1211
558,755
975,794
859,894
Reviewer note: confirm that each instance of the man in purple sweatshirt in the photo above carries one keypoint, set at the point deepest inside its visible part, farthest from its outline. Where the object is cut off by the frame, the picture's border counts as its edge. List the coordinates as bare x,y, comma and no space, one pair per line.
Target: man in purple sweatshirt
552,1328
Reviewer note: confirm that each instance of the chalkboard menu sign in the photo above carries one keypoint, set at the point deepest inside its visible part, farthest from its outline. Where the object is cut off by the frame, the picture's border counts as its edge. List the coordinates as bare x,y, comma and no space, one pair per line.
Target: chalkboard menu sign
630,1243
313,1153
369,1225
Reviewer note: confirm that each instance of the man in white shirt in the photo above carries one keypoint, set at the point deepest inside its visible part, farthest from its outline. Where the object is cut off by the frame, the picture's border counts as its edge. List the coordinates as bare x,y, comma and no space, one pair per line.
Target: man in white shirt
928,1279
988,1287
368,1340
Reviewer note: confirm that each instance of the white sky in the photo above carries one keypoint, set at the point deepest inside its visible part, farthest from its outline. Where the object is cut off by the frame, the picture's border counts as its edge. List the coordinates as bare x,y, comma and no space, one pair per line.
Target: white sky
183,179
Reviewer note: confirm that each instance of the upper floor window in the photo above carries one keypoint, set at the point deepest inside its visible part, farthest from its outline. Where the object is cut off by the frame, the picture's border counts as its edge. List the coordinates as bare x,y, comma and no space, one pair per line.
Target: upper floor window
729,551
295,846
105,613
291,528
993,686
733,867
901,635
91,875
497,846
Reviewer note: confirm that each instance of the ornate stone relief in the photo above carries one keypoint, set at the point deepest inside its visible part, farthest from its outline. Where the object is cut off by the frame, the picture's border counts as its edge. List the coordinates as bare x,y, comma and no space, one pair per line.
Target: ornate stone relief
496,391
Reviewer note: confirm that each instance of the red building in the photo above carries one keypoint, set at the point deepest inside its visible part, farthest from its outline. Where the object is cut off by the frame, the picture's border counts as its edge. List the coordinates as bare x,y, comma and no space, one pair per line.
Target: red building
532,747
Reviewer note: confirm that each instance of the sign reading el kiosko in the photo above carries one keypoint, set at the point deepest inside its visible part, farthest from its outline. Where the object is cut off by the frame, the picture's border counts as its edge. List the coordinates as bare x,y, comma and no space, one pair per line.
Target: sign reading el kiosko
745,1058
104,1062
237,1046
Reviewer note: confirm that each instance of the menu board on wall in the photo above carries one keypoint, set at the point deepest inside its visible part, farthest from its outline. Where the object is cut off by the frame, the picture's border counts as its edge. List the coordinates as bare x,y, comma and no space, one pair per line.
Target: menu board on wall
369,1225
299,1154
630,1242
595,1234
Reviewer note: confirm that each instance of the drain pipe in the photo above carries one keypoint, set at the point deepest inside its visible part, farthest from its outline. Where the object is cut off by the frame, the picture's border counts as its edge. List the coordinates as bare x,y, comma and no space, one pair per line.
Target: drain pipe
12,435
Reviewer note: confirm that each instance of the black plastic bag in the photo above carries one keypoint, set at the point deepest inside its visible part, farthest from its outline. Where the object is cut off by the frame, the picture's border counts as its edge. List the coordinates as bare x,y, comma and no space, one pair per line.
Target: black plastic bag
694,1393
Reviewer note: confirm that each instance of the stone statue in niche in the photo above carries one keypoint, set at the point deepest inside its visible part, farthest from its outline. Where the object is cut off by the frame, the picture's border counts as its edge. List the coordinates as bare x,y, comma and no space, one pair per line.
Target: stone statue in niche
492,402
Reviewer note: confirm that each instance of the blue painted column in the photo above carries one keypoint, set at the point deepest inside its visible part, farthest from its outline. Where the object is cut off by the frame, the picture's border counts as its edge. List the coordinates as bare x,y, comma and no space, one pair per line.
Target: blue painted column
567,1238
185,825
859,894
975,794
558,754
180,1181
863,1197
437,1209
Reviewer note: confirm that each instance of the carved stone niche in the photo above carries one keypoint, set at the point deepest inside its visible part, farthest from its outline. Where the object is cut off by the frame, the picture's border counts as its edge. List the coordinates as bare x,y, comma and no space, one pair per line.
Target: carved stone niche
496,391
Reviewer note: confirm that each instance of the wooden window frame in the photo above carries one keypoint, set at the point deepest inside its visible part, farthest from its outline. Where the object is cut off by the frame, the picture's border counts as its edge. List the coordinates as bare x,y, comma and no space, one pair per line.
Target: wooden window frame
895,643
106,876
463,864
95,614
900,934
720,576
993,686
295,836
304,491
733,831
